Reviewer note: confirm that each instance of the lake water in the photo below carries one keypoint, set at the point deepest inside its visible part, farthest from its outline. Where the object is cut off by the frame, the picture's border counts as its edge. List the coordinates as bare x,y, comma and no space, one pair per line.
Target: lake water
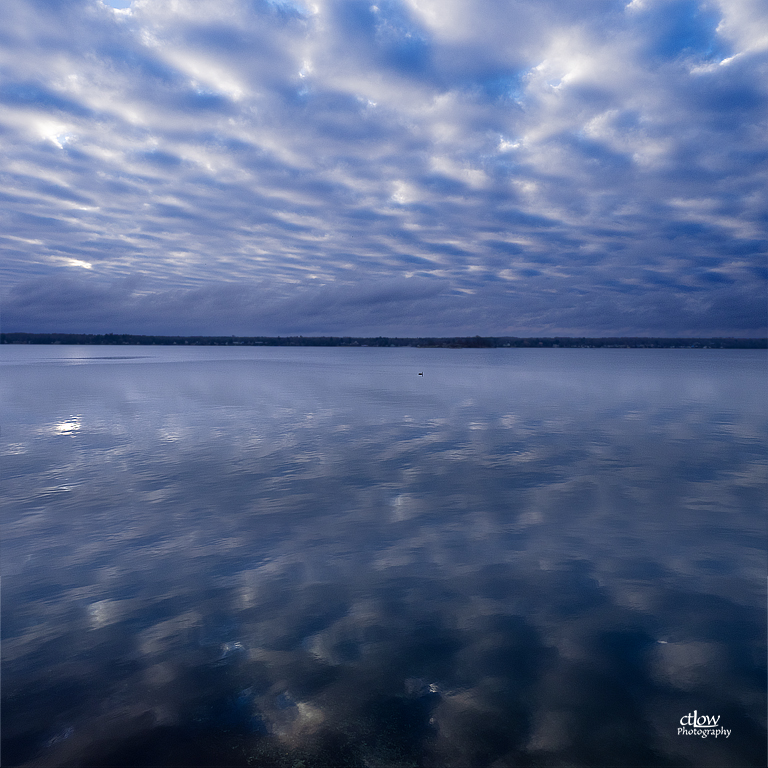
304,557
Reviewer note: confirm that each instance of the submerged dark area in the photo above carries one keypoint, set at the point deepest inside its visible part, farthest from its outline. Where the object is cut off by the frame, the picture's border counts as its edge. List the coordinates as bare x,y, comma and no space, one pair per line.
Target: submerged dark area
451,342
274,557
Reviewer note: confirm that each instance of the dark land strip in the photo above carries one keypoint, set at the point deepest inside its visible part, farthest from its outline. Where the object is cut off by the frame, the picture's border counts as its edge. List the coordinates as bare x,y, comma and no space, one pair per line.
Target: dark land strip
450,342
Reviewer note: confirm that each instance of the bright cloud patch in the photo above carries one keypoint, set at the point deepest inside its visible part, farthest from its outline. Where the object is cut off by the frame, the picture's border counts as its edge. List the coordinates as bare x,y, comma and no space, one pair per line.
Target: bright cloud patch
423,167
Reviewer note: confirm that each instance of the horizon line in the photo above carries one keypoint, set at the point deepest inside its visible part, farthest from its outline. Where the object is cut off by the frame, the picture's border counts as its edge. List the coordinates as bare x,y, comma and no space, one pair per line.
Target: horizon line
461,341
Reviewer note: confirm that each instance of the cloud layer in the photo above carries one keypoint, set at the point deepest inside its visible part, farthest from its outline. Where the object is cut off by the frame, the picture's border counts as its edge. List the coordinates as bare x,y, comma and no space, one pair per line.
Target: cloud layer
407,167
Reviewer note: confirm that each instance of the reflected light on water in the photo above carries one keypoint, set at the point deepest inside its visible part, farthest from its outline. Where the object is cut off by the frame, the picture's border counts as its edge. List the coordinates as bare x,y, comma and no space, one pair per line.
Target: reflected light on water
67,427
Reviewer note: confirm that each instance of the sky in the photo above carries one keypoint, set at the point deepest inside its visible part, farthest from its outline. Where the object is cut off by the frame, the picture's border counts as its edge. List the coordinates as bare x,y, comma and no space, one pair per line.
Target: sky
411,167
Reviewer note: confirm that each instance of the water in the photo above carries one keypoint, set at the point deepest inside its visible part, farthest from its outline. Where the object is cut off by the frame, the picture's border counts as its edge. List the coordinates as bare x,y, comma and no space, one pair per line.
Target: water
316,557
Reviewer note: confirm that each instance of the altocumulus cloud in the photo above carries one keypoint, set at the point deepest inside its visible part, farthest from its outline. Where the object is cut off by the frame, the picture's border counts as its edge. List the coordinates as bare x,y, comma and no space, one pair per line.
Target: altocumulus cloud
412,167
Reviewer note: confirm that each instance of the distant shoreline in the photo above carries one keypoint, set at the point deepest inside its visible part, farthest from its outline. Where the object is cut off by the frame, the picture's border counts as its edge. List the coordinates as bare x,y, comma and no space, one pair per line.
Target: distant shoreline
450,342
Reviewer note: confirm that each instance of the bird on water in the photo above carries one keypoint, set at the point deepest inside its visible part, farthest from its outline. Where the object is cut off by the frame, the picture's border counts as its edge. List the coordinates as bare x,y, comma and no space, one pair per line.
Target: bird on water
421,374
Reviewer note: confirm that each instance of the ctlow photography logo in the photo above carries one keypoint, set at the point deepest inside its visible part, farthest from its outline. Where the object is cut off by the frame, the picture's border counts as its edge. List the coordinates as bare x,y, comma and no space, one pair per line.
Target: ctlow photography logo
701,725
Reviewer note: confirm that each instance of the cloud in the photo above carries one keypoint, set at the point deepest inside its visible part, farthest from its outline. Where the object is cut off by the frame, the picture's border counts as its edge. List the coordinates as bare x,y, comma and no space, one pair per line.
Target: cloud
541,156
537,301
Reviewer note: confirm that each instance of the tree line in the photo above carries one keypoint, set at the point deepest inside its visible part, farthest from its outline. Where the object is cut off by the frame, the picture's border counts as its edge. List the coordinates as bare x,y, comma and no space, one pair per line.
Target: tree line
450,342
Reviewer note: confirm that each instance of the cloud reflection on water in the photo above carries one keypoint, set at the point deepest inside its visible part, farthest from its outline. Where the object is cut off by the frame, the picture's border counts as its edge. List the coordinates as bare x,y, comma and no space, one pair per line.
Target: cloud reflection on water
527,557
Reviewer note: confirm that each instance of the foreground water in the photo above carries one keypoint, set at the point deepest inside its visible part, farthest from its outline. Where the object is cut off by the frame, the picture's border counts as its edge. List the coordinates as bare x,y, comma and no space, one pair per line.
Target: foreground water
317,557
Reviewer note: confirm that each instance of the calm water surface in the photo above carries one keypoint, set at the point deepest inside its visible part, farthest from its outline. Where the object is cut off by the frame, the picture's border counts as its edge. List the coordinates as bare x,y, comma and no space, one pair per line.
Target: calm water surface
315,557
